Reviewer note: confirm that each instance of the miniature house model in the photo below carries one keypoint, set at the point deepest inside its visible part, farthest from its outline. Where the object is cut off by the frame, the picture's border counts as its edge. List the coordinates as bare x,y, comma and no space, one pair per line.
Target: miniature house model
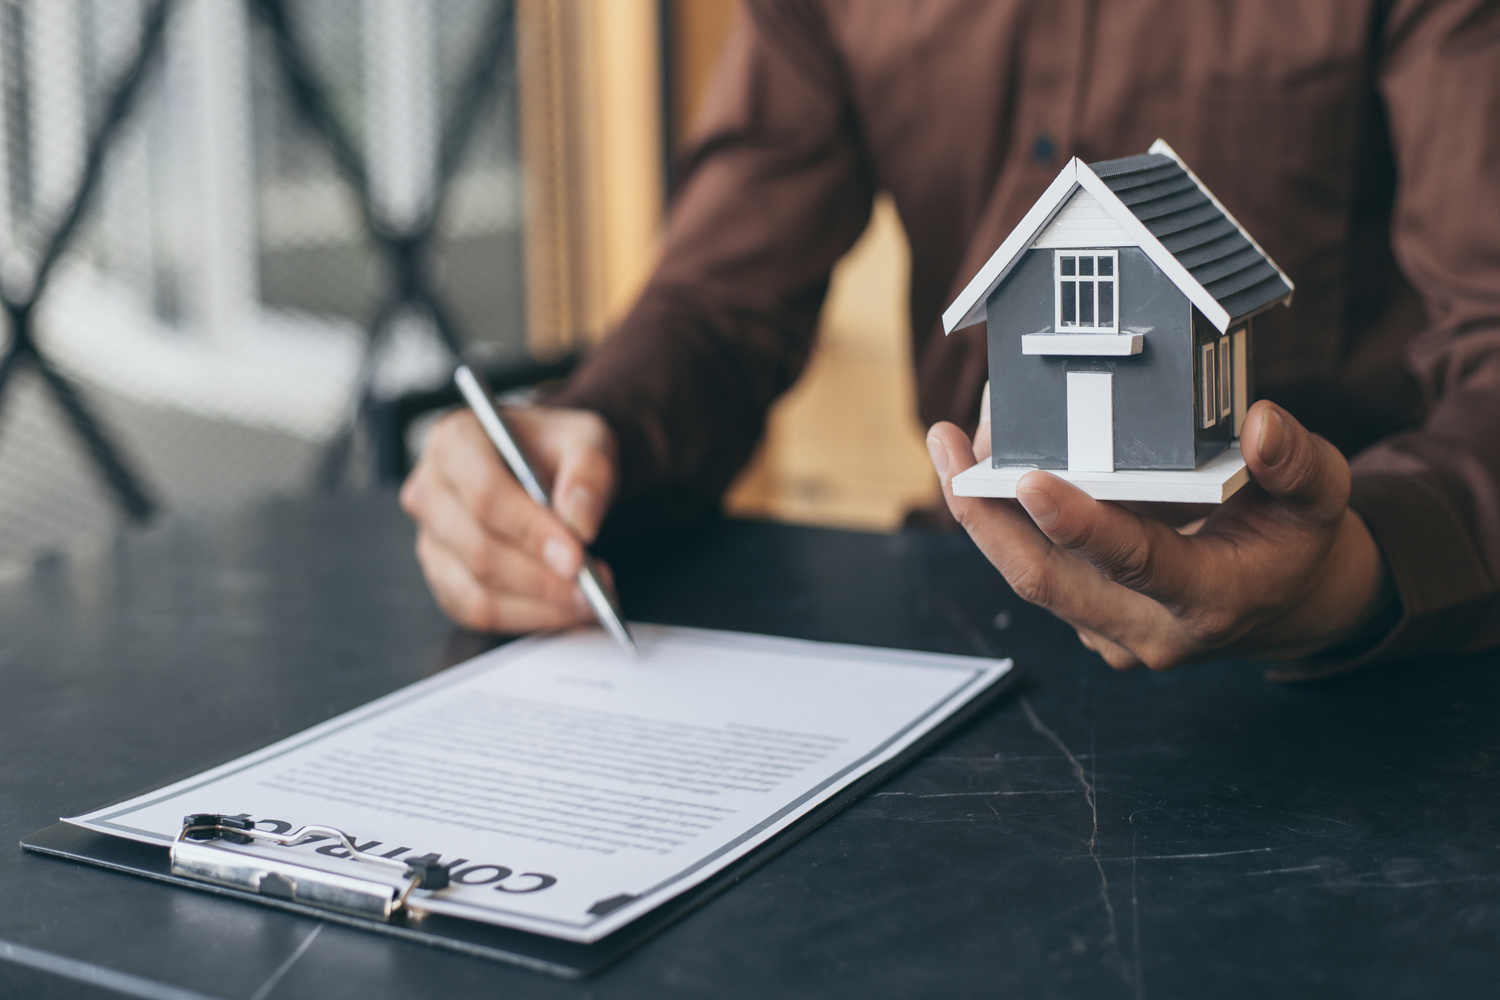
1119,335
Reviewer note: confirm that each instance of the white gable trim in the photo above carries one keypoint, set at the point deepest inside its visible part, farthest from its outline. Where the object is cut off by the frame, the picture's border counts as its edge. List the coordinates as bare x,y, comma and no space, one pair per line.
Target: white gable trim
968,308
1082,223
1160,147
1151,246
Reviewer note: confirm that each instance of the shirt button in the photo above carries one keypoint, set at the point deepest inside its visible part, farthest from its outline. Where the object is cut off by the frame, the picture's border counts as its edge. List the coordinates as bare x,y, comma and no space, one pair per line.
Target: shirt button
1042,149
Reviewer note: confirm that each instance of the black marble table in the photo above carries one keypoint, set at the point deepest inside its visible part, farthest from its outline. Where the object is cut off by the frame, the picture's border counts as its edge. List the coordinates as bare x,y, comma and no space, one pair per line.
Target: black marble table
1092,834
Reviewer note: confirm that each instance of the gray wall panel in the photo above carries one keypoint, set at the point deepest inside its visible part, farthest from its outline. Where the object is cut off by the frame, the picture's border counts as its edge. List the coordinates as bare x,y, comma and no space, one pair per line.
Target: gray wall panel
1153,390
1028,395
1210,440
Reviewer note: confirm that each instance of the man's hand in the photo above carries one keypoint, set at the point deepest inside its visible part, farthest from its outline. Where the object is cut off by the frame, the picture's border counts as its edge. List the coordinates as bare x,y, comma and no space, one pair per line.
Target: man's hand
1283,568
495,560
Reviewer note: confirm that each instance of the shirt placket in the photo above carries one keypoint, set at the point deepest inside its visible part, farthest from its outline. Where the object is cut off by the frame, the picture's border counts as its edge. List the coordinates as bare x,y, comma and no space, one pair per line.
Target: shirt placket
1053,74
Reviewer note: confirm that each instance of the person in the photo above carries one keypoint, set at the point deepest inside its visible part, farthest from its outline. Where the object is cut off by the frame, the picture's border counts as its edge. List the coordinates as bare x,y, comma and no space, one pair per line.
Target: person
1357,139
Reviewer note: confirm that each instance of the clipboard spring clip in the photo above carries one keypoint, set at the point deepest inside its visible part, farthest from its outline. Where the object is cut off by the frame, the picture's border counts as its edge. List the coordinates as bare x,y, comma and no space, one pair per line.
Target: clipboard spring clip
194,855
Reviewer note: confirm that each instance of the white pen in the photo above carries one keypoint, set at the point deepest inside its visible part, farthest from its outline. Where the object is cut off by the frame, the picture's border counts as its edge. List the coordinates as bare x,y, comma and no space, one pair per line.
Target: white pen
476,393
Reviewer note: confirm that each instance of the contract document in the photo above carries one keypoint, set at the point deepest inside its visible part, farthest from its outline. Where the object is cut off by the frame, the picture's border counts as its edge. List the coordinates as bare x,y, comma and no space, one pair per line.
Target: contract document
572,789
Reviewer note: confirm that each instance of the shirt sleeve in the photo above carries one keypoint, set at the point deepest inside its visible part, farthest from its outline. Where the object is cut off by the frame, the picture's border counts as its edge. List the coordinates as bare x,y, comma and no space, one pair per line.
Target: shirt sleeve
772,188
1431,496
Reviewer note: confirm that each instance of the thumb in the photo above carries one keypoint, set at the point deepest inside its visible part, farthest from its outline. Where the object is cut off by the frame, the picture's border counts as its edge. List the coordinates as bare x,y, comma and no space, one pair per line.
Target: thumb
1293,465
952,453
982,443
584,482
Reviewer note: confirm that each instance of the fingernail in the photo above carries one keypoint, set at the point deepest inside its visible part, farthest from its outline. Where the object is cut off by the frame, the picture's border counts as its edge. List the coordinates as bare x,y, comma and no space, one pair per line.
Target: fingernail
576,508
939,455
557,556
1041,507
1273,438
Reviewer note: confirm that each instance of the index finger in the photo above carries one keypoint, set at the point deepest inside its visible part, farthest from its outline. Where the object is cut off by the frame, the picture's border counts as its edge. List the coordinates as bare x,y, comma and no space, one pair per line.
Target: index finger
1135,551
468,462
1037,569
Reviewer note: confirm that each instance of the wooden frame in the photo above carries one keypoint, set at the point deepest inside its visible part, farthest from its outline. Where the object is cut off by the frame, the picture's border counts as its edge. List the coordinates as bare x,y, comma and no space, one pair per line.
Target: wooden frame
591,141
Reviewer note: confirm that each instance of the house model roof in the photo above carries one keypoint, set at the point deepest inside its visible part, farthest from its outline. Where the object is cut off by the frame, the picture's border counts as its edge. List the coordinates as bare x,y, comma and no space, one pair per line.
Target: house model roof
1164,209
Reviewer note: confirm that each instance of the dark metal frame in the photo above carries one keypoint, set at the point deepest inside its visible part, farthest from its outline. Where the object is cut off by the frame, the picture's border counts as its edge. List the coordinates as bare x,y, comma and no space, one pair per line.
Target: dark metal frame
129,491
405,248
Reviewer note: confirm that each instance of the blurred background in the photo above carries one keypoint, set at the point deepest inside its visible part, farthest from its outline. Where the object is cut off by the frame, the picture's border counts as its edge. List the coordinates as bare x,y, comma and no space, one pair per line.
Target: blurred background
240,241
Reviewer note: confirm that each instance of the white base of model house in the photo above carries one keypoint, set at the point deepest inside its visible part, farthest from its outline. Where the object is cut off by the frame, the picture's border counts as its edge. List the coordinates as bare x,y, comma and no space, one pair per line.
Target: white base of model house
1213,482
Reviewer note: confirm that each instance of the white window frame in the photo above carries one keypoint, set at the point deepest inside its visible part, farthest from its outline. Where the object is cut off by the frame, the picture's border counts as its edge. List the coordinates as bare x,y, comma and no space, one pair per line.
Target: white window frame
1239,339
1208,387
1113,256
1226,384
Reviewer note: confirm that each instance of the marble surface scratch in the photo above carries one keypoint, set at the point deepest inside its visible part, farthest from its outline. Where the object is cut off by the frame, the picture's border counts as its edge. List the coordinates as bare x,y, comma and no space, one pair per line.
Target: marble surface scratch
1181,857
1135,921
1284,871
1376,881
972,795
285,967
1112,938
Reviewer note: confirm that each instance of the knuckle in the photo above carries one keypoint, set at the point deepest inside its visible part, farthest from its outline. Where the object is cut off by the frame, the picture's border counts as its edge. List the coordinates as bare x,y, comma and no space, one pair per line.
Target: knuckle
1032,583
1125,558
424,550
532,530
485,564
1335,480
966,513
446,431
1214,627
1162,650
473,611
411,496
977,518
489,493
1161,660
555,589
1127,562
597,432
486,619
594,467
1318,476
1301,474
562,615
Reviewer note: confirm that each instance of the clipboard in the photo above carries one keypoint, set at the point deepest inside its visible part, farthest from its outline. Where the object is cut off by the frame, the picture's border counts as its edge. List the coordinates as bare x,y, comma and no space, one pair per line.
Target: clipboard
537,952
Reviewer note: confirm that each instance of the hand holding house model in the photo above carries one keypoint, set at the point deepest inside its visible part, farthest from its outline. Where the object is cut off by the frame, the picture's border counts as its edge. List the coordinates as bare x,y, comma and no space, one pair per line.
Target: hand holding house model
1119,315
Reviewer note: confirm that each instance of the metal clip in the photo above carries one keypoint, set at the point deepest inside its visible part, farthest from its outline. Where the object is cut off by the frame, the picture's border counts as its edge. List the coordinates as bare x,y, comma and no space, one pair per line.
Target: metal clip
195,856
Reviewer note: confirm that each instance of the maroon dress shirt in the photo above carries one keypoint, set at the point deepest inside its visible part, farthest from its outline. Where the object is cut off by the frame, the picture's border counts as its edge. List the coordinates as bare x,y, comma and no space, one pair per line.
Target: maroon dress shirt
1357,140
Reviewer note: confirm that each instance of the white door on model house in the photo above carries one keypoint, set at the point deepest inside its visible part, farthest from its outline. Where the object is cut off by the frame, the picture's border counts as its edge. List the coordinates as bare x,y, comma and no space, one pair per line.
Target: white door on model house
1091,423
1088,300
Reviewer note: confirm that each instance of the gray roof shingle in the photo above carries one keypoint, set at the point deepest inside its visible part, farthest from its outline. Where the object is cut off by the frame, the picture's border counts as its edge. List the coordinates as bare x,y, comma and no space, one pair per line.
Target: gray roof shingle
1179,213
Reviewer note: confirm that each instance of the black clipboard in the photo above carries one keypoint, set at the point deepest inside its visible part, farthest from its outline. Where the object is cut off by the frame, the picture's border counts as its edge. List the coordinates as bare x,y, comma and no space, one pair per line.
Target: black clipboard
568,959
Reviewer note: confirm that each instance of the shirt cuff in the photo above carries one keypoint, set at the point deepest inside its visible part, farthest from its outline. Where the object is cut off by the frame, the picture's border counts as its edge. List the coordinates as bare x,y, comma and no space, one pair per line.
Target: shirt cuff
1443,587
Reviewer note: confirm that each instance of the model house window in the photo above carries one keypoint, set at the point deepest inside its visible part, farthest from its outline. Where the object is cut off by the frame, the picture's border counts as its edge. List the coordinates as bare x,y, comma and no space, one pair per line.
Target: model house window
1208,385
1088,292
1226,400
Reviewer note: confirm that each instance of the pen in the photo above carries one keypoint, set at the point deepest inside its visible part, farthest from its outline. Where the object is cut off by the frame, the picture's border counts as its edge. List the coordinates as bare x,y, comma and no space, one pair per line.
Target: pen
476,393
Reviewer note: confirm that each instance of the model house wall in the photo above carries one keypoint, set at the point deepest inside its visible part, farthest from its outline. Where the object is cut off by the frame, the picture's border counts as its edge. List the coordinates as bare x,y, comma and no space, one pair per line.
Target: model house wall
1154,418
1118,321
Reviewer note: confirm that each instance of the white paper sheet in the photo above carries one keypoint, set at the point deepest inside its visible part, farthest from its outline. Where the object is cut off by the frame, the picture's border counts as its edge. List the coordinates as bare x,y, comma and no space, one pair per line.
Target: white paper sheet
575,789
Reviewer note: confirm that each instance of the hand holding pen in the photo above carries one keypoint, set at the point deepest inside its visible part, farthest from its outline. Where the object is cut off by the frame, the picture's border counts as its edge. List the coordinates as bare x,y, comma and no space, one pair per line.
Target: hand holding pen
496,560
